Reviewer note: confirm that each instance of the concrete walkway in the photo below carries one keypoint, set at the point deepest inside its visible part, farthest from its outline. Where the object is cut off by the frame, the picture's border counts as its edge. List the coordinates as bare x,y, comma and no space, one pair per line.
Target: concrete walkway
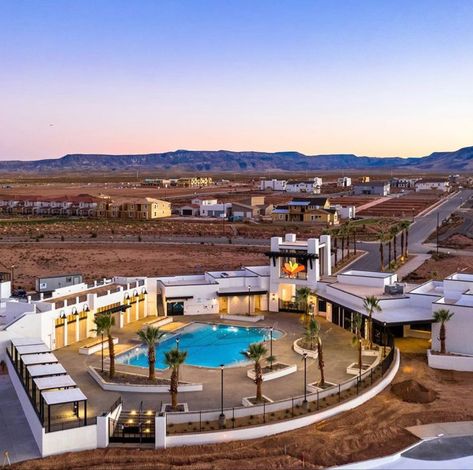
15,434
338,354
411,265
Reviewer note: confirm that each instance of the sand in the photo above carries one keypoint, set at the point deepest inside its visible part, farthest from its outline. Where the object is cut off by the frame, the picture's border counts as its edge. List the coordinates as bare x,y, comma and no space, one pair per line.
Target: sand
374,429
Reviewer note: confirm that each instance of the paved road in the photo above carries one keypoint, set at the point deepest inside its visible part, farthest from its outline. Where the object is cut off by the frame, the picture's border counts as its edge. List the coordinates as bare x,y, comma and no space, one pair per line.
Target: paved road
15,434
419,231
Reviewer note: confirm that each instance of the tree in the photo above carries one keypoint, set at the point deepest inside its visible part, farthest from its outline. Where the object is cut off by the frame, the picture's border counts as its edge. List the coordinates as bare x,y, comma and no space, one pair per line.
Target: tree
357,324
381,239
174,358
404,227
103,325
394,232
313,336
442,316
149,337
303,295
371,305
257,353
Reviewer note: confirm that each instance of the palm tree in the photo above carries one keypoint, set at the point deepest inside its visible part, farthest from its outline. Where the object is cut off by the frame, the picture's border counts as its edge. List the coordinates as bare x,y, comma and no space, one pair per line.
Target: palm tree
371,304
103,325
313,335
174,358
404,227
394,232
442,316
335,245
150,336
303,295
381,239
257,352
357,324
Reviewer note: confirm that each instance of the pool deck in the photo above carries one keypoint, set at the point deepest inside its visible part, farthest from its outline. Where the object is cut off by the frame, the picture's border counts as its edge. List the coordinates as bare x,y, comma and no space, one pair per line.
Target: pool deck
338,354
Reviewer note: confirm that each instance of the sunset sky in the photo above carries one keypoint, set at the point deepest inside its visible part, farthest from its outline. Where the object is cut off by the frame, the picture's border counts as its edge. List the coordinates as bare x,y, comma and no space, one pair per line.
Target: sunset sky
367,77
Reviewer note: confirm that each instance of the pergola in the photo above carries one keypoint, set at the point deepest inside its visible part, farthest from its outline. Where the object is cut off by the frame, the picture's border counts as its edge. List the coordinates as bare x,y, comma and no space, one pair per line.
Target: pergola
33,360
62,397
51,382
43,370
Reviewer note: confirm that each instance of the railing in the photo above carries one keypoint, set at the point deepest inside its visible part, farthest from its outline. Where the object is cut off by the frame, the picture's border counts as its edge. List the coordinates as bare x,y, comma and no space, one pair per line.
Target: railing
201,421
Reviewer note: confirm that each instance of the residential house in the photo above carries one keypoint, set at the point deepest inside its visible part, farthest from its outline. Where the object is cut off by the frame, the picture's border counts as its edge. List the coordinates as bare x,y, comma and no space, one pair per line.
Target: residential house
311,210
375,188
273,184
431,184
344,182
309,186
252,208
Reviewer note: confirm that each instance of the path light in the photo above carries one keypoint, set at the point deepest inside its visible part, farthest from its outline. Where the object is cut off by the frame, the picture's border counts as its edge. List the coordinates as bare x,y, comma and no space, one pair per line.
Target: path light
271,347
177,343
249,300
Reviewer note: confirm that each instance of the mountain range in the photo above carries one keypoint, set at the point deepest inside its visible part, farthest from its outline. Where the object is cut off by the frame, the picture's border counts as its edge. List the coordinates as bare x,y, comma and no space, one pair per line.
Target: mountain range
228,161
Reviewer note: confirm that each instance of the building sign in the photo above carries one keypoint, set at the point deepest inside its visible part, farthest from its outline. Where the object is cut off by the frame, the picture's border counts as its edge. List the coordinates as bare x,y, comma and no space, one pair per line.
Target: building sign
293,269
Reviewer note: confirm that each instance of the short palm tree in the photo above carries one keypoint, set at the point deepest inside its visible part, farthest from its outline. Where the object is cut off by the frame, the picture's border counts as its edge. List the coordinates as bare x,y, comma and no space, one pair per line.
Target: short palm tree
103,325
257,353
150,337
313,336
357,324
303,295
371,305
174,358
442,316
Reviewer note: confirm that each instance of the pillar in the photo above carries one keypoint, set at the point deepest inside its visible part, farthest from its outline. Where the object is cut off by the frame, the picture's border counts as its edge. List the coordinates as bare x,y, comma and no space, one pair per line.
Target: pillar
160,431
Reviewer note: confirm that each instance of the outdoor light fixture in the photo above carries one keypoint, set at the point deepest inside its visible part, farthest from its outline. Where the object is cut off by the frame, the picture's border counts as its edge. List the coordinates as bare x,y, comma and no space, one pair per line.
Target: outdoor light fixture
86,308
63,314
127,296
143,290
74,311
135,293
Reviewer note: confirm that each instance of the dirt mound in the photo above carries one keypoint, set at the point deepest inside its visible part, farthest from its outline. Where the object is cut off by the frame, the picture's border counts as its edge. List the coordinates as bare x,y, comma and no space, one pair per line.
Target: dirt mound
413,392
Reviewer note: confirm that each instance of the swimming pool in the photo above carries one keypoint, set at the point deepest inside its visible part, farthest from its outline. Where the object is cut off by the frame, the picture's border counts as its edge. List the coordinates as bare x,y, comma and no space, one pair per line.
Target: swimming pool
207,345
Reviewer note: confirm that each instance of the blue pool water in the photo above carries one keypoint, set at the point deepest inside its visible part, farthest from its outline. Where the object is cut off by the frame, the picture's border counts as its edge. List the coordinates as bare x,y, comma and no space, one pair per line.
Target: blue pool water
206,345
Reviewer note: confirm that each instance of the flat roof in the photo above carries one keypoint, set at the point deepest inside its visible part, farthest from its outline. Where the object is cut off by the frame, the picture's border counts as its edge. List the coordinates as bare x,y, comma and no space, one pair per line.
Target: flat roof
32,349
43,370
54,381
103,289
59,397
31,359
357,273
234,273
26,341
191,280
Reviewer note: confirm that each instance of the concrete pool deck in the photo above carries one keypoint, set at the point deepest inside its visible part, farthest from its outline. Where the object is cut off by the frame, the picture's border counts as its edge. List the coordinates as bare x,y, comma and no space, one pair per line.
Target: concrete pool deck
338,353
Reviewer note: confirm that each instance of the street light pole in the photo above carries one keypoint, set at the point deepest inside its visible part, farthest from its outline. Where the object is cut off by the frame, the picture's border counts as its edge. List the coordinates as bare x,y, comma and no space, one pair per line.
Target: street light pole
249,300
438,226
271,347
177,344
384,341
102,352
221,418
305,379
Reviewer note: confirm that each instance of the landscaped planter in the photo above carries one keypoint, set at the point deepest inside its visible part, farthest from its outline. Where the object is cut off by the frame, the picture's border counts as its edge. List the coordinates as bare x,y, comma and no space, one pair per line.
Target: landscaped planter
246,318
300,350
251,401
313,387
94,347
279,370
353,368
452,361
141,388
181,408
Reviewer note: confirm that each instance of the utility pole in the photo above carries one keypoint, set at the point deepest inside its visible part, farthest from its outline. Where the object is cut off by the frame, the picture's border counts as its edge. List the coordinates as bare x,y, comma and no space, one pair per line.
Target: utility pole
438,226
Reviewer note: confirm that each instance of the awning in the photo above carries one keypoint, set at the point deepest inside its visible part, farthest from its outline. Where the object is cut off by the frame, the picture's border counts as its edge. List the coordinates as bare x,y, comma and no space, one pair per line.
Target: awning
44,370
55,381
180,298
32,359
62,397
241,293
26,341
32,349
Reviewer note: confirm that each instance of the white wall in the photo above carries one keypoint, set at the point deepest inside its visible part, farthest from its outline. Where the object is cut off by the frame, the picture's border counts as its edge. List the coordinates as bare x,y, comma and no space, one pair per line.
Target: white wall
69,440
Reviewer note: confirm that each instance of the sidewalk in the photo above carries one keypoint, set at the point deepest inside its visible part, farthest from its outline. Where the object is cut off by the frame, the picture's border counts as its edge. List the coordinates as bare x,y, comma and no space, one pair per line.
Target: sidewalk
416,261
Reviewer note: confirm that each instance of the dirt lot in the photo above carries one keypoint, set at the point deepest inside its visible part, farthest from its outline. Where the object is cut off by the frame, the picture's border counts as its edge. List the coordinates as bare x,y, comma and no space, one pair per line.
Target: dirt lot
371,430
404,206
438,268
106,260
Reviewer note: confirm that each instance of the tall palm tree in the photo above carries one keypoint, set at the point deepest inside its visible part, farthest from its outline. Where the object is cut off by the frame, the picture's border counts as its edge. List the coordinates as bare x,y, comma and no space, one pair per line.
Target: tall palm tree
394,232
442,316
357,324
381,239
103,325
404,226
371,305
335,245
150,336
313,335
256,352
174,358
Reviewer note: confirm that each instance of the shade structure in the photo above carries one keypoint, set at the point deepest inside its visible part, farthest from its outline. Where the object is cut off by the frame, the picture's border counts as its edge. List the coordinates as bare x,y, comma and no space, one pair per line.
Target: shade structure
26,341
32,349
62,397
44,370
53,382
33,359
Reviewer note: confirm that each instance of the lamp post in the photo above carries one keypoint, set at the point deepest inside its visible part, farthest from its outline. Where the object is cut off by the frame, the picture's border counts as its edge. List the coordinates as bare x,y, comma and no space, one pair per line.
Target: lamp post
249,300
384,340
177,343
102,352
271,347
305,379
221,418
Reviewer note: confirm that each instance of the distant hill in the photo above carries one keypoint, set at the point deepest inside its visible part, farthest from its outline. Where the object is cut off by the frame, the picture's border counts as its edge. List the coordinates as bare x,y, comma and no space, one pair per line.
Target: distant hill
227,161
